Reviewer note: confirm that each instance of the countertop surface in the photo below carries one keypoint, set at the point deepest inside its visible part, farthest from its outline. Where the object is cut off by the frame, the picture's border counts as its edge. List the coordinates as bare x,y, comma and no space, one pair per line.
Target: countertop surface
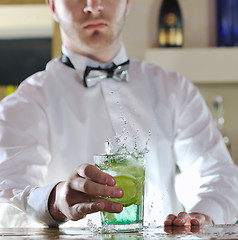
206,232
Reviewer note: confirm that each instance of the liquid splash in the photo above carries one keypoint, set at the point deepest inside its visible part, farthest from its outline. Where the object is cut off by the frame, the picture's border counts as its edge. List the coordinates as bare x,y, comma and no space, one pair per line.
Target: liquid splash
93,227
121,142
128,135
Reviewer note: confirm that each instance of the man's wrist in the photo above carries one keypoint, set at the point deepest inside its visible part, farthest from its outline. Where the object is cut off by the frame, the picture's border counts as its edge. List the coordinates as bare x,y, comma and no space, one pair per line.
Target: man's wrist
54,211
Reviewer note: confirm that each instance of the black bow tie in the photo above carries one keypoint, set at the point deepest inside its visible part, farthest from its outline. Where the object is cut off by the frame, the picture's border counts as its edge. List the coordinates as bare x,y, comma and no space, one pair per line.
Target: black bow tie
94,75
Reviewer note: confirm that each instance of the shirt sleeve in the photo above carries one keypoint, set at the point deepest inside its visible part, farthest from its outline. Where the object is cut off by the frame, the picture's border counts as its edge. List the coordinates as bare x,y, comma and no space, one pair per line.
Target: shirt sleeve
208,178
37,207
24,157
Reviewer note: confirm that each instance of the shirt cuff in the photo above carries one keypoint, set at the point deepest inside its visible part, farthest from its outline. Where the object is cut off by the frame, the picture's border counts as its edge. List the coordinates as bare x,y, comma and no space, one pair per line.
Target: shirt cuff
37,206
210,208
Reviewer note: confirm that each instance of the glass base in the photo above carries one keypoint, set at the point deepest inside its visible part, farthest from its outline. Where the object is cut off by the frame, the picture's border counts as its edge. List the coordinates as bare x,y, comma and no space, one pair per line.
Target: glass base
133,227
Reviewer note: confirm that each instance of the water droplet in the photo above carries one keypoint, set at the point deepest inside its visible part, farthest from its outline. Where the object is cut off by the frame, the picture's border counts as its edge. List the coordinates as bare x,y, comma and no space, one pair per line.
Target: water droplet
128,134
108,146
92,227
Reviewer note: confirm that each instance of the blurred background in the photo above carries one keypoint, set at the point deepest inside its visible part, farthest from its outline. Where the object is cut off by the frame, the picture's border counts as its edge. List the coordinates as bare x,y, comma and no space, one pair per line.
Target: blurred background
29,39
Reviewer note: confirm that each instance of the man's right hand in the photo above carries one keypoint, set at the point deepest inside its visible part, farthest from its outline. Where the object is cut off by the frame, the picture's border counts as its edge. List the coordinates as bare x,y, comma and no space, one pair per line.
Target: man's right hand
82,194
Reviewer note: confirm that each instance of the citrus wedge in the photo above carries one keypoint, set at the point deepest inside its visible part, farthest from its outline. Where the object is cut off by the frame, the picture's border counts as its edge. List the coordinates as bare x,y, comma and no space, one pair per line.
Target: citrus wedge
131,187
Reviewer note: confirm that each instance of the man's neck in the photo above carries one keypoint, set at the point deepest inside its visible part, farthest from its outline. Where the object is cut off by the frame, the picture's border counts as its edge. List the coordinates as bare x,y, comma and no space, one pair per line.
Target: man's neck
104,55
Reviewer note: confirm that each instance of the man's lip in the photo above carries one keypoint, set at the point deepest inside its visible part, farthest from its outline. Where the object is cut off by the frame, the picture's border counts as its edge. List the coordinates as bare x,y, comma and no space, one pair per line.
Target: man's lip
95,25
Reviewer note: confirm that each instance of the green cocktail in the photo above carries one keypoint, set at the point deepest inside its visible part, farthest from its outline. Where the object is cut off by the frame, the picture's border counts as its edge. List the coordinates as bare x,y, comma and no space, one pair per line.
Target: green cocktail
129,171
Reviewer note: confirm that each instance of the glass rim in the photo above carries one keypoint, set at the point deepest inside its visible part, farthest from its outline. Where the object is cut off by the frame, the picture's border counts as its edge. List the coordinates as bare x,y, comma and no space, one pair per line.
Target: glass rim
101,158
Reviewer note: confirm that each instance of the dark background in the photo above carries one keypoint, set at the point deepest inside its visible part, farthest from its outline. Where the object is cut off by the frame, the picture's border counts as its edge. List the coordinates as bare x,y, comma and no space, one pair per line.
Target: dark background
20,58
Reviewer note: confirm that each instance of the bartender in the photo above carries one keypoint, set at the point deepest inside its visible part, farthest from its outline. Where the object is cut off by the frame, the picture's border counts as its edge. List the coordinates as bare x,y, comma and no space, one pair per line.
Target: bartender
57,119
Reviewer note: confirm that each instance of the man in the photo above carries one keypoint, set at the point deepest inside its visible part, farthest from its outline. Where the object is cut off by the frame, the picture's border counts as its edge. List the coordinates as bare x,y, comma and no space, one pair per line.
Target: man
58,119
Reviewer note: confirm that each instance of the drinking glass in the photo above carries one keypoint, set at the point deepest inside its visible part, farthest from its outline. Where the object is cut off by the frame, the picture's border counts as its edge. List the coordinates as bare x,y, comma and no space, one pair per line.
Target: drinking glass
128,169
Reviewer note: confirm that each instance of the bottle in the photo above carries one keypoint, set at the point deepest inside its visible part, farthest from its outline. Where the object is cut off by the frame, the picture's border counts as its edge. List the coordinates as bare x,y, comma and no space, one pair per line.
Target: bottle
170,26
219,120
235,23
227,23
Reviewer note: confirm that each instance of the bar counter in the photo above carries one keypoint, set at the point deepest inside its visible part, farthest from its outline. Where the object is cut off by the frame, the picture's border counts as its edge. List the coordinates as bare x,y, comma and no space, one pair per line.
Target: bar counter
211,232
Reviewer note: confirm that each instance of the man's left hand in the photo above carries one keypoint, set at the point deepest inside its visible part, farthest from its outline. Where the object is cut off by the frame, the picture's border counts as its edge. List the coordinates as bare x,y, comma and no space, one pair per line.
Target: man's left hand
188,219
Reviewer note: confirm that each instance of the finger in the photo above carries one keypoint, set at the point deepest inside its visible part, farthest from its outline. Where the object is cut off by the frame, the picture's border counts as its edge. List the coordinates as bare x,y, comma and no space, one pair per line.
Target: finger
79,211
96,175
197,220
109,206
182,219
202,219
169,220
94,189
112,207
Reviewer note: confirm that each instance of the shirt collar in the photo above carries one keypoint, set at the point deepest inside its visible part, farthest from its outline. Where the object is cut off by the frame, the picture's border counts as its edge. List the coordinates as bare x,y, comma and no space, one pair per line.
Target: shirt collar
80,62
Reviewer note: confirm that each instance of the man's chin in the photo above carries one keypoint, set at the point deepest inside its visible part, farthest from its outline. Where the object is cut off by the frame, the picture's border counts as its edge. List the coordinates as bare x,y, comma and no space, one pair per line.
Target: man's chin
97,43
99,39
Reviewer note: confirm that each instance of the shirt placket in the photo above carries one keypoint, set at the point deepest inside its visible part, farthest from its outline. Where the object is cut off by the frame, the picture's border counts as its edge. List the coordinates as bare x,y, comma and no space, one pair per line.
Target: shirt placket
111,94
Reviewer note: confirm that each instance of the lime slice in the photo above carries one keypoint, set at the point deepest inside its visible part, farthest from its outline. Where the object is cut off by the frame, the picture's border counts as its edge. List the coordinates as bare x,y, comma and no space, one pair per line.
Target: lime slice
109,217
131,188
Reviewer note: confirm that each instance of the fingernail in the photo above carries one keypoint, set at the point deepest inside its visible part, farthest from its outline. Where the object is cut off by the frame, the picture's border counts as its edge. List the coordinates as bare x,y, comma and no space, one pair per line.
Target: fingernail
118,193
110,181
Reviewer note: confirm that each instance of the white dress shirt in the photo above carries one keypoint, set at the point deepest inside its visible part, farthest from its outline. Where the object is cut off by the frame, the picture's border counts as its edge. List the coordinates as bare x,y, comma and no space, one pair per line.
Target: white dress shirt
52,124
